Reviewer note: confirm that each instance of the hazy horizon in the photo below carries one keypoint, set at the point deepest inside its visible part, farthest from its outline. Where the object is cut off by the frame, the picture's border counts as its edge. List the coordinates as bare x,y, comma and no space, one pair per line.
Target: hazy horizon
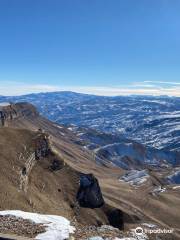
10,88
89,92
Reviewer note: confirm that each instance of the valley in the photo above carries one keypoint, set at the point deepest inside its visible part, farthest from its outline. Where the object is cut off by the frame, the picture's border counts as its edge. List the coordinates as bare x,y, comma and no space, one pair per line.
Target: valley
152,121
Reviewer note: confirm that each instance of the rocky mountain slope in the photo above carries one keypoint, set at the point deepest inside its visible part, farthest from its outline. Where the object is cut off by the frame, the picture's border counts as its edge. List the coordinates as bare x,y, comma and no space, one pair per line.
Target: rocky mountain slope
153,121
31,170
44,169
122,152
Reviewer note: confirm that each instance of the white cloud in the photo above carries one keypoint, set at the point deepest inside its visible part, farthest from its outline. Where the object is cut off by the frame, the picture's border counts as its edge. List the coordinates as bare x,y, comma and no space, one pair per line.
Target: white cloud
9,88
128,91
163,82
17,88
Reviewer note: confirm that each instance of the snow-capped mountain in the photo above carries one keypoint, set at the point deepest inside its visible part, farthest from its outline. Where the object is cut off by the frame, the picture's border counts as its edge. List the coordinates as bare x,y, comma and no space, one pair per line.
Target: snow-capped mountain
153,121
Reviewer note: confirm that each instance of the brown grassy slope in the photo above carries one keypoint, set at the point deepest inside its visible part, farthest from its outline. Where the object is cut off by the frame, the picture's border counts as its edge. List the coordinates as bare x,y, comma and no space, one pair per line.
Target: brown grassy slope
51,192
163,209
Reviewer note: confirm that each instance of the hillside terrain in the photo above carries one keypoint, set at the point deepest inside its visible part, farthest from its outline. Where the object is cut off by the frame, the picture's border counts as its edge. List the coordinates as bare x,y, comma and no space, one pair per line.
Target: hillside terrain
43,163
123,152
153,121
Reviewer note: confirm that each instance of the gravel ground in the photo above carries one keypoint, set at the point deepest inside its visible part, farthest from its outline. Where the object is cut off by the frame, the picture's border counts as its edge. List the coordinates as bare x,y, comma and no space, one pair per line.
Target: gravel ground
85,232
19,226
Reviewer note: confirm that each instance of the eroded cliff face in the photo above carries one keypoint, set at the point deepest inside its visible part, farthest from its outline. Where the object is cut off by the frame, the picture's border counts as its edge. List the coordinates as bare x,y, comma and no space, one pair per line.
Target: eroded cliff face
40,150
14,111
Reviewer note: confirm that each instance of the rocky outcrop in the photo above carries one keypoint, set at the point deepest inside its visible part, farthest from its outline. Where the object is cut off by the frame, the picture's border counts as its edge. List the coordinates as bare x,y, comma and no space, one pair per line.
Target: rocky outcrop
89,193
25,172
13,111
56,165
41,146
41,150
2,118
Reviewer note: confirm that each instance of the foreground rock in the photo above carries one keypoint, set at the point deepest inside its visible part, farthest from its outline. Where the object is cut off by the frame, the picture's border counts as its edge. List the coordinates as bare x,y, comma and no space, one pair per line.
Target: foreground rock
97,233
89,194
20,226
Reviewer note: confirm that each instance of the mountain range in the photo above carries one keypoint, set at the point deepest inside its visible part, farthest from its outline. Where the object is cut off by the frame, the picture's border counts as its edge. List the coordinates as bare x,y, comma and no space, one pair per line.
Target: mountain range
152,121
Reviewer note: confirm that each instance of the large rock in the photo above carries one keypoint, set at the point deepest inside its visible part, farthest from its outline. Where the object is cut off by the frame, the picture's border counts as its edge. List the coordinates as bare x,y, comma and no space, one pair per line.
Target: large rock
41,145
89,194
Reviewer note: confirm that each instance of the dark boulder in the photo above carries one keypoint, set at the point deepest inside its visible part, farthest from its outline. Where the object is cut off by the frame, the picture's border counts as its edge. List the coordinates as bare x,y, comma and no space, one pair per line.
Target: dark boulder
56,165
116,218
89,193
24,171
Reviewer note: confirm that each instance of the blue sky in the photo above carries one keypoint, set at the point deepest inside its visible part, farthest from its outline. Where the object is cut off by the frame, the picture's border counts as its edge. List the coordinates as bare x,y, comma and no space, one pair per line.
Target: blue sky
106,47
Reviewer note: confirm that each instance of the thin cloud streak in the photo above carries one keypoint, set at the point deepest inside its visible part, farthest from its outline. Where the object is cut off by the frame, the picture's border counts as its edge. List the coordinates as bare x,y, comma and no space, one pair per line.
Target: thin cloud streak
163,82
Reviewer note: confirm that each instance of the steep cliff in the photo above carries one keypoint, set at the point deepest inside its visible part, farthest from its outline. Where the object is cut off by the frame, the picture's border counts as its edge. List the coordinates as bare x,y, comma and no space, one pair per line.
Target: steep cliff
14,111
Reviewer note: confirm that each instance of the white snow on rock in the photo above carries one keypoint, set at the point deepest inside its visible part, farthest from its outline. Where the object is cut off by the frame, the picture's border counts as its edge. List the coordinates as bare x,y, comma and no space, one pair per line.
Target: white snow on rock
135,177
149,225
4,104
176,187
58,126
57,227
175,177
158,190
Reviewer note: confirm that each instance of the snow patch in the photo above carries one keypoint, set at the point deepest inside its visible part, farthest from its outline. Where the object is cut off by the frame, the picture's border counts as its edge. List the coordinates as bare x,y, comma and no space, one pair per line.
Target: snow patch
59,126
135,177
149,225
158,190
174,178
57,227
176,187
4,104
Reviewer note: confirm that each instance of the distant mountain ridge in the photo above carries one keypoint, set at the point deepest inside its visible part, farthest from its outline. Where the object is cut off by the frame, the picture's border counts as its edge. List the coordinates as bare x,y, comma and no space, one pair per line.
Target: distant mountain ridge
153,121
